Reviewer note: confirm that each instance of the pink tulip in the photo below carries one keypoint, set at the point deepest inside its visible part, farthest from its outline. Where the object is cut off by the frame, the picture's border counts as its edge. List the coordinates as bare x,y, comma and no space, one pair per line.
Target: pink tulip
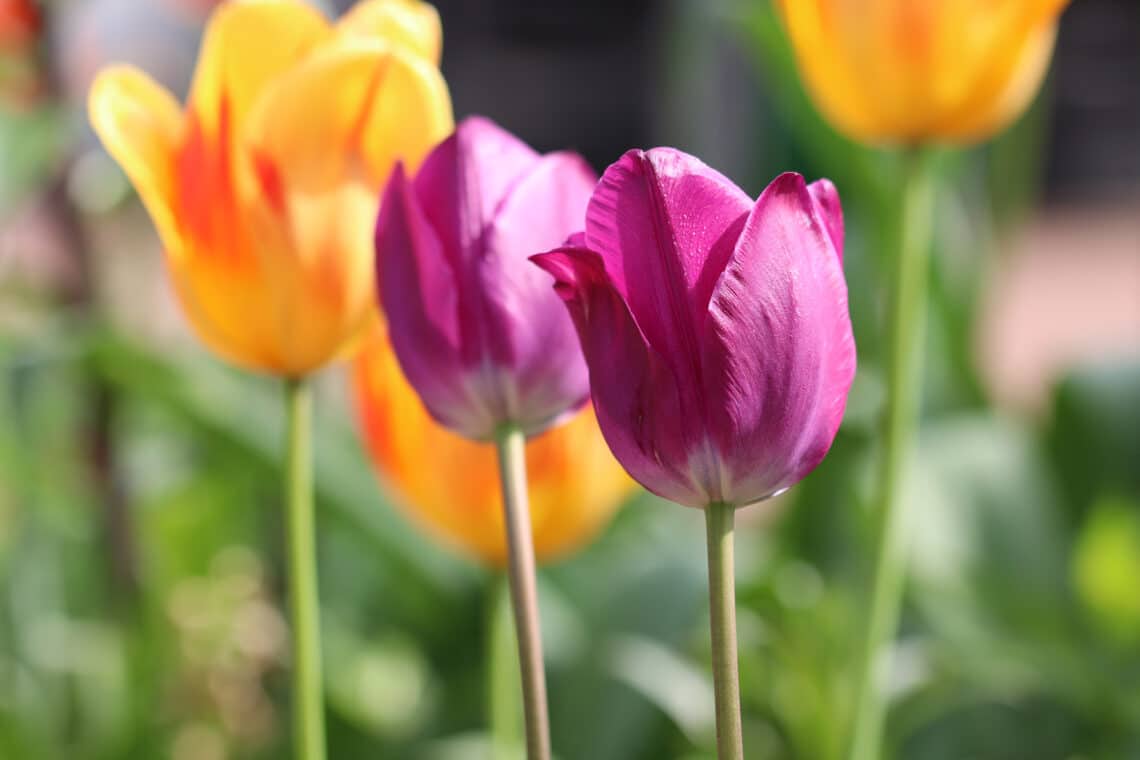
715,329
474,325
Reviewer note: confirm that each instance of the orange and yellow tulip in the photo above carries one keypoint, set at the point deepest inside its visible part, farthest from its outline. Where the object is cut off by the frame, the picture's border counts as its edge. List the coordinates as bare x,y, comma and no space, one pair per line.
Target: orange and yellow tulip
916,71
450,485
264,190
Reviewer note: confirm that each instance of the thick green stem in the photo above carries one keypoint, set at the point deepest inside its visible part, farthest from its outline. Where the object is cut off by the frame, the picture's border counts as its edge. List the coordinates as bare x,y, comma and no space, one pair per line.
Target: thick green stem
907,324
511,444
719,519
504,700
308,703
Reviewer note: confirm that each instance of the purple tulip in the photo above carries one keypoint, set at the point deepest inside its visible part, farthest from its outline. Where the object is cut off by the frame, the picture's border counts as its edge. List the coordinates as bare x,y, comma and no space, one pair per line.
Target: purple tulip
474,325
715,329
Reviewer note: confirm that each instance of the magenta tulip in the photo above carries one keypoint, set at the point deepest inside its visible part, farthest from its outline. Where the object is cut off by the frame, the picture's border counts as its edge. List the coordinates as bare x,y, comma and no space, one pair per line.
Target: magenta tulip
715,328
474,325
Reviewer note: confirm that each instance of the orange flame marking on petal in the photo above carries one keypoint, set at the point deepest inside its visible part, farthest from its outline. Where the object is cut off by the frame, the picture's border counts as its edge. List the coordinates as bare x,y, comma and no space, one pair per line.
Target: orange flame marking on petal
207,200
355,136
269,181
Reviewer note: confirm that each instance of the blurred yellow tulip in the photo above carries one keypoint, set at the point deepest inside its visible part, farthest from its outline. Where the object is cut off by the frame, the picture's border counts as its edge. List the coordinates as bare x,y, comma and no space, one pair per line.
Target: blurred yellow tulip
450,485
265,190
914,71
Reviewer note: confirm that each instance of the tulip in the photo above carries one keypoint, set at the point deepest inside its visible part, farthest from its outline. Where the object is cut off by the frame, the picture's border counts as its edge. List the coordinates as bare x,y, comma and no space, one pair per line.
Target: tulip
715,329
264,191
476,329
719,346
914,72
449,484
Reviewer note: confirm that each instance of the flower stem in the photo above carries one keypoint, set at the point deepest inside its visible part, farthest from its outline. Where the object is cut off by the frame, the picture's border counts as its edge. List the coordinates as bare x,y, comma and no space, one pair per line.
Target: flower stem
907,324
511,445
503,698
719,519
308,703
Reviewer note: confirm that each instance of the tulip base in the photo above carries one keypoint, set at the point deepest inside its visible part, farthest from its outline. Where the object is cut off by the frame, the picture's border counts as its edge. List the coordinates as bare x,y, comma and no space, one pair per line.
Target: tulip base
719,521
308,702
511,445
907,323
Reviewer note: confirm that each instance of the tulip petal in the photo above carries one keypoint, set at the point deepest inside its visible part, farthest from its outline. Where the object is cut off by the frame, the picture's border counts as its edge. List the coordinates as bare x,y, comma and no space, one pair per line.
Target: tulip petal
409,116
451,486
778,353
667,221
141,126
530,330
246,45
1009,82
822,36
460,187
377,106
419,294
313,201
636,397
466,179
826,199
411,23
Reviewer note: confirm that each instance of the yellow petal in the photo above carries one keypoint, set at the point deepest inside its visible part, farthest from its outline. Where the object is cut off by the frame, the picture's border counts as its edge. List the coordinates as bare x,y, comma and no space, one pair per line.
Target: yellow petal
317,264
1004,89
320,143
354,106
247,44
409,116
449,485
817,32
905,71
404,22
227,311
140,124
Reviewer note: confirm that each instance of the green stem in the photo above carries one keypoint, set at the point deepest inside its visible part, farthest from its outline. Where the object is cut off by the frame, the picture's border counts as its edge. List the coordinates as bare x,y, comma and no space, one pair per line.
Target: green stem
503,698
719,519
308,703
907,325
511,445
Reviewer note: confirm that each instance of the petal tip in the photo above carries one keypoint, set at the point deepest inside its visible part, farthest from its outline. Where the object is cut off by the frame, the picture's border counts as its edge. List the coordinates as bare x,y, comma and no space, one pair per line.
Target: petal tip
570,268
789,183
825,197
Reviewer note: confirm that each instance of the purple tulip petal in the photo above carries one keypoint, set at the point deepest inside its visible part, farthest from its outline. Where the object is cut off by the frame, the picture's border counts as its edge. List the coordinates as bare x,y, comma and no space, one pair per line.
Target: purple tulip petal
665,225
576,240
418,292
460,186
826,199
528,329
778,354
475,326
635,395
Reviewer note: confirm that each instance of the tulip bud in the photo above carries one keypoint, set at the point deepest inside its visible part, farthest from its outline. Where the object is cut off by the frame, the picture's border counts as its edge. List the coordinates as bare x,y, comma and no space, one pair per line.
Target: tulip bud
906,71
475,327
716,329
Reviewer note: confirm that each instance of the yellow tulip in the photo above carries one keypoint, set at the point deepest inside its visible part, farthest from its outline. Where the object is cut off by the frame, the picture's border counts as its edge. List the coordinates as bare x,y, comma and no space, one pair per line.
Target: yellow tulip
913,71
265,189
450,485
